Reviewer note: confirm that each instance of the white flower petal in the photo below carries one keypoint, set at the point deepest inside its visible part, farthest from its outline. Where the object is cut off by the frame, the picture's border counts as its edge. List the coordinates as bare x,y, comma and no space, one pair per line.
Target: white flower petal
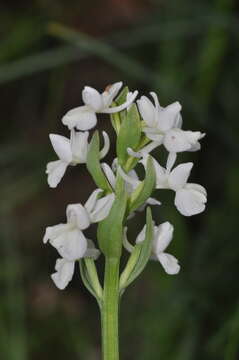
79,146
178,121
82,117
161,176
106,146
168,116
91,251
64,273
133,153
130,187
190,202
194,136
62,147
179,176
102,208
147,110
149,201
171,160
71,245
195,147
122,106
110,93
154,135
176,140
163,235
141,236
196,187
55,170
109,174
130,180
78,216
145,150
92,98
153,201
169,263
91,202
52,232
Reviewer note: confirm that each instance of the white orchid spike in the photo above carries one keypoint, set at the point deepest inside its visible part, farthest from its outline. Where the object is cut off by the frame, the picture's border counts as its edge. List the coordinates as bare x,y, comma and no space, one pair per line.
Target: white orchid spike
190,198
71,151
163,125
84,117
139,131
69,240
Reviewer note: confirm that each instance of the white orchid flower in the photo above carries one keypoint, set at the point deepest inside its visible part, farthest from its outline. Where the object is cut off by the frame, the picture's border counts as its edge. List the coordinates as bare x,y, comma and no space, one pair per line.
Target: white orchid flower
69,240
162,236
190,198
65,268
131,181
84,117
163,126
71,151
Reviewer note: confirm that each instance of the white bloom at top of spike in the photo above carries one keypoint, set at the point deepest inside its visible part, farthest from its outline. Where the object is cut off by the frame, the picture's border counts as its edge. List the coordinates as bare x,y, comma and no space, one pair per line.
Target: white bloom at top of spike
84,117
69,240
71,151
162,236
163,125
190,199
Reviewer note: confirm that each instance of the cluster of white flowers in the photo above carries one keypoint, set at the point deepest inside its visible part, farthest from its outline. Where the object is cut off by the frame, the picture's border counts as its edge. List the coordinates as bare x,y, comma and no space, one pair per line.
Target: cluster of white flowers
159,126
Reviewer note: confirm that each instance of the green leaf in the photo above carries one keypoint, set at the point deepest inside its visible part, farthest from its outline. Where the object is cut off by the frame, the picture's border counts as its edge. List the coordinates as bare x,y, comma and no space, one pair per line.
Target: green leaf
139,257
129,134
144,190
110,230
93,164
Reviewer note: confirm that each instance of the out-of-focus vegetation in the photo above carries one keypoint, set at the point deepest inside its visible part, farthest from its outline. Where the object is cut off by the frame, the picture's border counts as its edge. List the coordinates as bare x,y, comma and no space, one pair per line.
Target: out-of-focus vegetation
184,50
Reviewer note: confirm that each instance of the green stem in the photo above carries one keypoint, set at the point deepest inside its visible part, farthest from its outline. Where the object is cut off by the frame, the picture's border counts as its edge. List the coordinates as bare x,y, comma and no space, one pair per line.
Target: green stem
110,311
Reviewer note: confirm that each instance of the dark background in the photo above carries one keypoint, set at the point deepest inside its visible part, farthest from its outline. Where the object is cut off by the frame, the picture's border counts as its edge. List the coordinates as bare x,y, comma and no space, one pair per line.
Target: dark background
184,50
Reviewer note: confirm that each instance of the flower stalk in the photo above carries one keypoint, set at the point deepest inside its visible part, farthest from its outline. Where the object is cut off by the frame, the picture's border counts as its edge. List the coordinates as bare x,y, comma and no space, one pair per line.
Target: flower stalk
110,311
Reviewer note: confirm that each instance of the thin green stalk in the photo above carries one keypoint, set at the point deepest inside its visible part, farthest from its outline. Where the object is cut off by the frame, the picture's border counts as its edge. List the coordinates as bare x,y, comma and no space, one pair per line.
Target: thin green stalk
110,311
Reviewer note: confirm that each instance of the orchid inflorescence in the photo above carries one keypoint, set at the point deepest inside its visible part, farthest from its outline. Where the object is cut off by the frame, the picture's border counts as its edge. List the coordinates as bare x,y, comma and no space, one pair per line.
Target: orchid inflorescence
140,128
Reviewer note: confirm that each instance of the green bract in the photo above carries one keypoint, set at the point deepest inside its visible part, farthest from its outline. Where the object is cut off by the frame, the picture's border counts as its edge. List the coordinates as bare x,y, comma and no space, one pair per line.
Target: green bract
139,257
93,164
110,230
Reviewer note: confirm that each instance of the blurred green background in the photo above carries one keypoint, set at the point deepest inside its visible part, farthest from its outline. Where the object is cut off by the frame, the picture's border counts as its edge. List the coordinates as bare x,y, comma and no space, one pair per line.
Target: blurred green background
186,51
